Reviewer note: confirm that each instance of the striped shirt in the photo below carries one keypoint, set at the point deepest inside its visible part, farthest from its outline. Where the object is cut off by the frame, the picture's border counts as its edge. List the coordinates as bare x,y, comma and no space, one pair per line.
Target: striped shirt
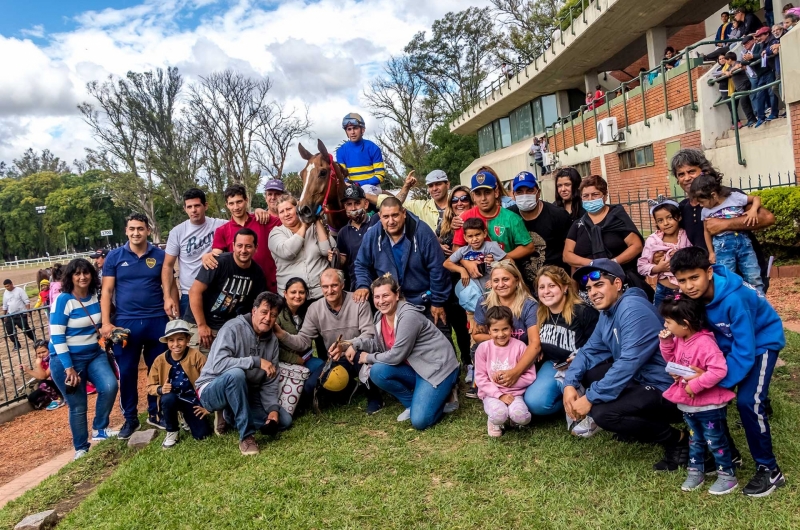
71,330
363,161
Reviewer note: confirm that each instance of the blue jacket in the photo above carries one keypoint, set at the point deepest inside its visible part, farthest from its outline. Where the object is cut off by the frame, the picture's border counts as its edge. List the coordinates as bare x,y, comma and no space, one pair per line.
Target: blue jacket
422,262
363,161
744,324
627,333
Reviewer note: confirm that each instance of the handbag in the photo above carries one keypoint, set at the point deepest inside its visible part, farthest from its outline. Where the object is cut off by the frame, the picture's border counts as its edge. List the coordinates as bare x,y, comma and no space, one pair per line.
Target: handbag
292,378
112,361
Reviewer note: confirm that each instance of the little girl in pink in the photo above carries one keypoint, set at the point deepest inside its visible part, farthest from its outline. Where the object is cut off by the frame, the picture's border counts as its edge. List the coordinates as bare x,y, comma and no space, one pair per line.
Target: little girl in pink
502,352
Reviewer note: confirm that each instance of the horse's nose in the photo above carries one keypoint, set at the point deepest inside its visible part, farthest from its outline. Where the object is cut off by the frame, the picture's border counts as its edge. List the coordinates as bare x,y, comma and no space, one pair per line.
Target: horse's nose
304,211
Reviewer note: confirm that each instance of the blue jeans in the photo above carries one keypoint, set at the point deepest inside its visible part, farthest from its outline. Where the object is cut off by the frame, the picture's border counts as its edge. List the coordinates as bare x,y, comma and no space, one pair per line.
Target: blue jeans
544,396
707,429
171,405
735,252
766,97
145,333
662,292
413,392
96,369
229,392
315,364
751,394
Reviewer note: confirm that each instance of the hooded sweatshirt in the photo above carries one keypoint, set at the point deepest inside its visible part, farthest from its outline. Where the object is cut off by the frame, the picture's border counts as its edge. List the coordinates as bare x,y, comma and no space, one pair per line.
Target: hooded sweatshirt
699,350
421,274
418,342
627,334
238,346
744,324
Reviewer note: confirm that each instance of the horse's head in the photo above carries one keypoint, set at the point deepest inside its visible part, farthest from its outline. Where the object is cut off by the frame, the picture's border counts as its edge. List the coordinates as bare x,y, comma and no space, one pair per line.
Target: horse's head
317,176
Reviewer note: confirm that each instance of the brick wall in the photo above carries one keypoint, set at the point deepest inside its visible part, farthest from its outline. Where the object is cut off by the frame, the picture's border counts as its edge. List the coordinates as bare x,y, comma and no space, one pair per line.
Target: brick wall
596,168
794,112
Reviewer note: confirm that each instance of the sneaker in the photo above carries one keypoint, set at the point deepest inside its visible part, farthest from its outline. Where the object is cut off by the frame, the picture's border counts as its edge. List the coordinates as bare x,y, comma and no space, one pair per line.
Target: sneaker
128,429
374,406
56,405
79,454
404,416
470,377
472,393
157,423
750,123
764,482
724,484
770,118
170,440
495,431
220,426
675,456
182,423
586,428
693,480
248,446
758,124
103,434
452,403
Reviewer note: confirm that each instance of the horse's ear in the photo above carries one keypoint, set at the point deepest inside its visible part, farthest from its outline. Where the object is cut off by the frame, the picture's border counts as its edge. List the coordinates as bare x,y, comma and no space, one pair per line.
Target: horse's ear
322,149
304,152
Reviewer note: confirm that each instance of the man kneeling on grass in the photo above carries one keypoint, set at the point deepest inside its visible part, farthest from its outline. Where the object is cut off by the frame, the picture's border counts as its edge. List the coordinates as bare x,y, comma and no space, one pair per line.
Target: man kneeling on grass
240,378
172,377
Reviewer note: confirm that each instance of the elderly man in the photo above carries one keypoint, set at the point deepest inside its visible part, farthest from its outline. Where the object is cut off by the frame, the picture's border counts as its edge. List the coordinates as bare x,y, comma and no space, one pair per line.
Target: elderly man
335,315
241,374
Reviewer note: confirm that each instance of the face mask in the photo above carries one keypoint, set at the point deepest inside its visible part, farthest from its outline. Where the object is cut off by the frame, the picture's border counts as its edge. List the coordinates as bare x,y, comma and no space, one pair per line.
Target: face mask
526,203
356,214
594,206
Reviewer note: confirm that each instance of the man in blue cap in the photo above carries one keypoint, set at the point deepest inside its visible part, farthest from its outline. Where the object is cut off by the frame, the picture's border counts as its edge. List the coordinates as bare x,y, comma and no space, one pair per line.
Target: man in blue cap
362,158
622,369
273,190
546,223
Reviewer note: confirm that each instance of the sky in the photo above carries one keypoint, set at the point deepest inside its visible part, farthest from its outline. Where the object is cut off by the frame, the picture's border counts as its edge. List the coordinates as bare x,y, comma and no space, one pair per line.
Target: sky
319,53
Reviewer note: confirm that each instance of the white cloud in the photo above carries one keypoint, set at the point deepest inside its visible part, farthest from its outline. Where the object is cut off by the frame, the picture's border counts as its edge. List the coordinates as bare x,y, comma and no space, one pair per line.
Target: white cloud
318,53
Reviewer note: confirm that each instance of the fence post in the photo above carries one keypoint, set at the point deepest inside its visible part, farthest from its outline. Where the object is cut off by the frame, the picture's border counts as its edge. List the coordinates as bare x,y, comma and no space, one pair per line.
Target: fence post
664,82
644,104
583,125
691,85
735,114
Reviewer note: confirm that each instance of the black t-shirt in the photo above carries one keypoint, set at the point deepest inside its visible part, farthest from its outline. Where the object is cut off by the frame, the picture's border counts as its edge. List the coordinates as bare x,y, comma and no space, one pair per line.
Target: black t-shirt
548,232
560,340
613,238
231,289
348,242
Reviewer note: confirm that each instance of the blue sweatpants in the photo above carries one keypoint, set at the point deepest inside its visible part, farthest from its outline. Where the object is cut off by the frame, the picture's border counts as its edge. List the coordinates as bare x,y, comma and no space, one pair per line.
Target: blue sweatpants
751,394
143,339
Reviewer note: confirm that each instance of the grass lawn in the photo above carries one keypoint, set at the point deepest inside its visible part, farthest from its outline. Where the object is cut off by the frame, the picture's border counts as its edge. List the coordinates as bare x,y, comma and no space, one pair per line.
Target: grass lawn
345,470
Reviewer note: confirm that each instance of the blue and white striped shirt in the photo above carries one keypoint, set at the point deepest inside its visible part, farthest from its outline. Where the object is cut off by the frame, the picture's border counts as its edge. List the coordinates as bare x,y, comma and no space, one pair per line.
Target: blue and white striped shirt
71,330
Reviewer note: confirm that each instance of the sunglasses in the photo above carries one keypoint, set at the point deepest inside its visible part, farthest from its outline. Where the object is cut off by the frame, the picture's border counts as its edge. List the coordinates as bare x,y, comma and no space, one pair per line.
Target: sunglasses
463,198
593,276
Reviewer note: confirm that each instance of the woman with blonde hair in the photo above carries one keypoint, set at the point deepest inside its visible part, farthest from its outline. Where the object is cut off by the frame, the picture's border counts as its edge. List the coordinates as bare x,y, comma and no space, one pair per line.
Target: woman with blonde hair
508,290
565,324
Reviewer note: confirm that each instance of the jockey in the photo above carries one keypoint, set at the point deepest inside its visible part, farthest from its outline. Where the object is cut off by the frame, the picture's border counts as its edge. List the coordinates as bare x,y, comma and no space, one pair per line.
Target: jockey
362,158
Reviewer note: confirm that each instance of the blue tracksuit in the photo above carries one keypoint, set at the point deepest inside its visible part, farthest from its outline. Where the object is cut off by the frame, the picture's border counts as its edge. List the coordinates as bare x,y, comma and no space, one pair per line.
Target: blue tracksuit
750,334
363,161
419,269
627,332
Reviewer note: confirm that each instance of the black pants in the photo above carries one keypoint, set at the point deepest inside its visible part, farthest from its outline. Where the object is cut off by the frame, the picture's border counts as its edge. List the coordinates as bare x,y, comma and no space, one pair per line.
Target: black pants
457,318
444,327
171,404
640,412
19,320
716,53
747,105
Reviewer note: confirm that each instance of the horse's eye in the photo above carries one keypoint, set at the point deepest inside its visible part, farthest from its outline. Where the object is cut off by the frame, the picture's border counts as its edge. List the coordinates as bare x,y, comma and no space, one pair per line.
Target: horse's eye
323,173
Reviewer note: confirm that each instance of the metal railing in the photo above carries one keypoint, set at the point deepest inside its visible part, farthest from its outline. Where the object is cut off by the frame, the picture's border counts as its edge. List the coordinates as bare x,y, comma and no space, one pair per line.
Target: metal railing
19,332
22,263
639,209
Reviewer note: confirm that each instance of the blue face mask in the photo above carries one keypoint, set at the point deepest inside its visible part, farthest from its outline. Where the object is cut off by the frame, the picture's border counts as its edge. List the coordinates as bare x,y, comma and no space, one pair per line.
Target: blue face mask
594,205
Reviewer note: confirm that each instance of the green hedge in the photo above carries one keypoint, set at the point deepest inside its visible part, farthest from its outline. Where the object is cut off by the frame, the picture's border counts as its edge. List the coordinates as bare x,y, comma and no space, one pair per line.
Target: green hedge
784,203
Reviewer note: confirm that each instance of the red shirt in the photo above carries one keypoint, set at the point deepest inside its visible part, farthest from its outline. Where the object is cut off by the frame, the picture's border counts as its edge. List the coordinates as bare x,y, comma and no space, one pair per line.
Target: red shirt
388,333
223,240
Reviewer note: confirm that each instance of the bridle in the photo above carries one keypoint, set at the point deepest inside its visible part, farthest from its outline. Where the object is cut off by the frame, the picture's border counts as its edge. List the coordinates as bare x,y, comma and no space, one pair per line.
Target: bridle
332,180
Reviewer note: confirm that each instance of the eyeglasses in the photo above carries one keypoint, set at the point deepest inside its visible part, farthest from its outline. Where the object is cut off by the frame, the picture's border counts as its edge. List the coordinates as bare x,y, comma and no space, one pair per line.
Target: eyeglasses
463,198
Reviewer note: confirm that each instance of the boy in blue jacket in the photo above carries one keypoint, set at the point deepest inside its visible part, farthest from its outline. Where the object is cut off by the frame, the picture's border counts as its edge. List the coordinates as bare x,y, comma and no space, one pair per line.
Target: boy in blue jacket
750,334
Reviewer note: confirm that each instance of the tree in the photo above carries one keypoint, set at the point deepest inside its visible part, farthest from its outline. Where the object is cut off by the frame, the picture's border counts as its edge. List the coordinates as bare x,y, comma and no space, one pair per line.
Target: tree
451,153
32,162
277,133
527,26
293,183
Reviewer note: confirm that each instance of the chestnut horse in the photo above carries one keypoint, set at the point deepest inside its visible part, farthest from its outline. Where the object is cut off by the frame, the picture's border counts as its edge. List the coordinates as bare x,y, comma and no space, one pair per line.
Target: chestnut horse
323,188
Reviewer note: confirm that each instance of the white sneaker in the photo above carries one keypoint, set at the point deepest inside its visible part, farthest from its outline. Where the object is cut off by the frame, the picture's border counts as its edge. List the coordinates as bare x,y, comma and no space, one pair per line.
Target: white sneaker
470,374
405,415
103,434
170,440
182,423
495,431
80,454
452,404
586,428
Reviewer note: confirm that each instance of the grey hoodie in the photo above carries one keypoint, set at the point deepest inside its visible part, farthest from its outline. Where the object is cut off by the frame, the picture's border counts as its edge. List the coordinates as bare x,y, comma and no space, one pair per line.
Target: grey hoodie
417,341
238,346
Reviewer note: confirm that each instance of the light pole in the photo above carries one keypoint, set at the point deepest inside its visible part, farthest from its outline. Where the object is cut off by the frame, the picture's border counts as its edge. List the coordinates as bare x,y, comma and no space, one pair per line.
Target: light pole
87,242
41,210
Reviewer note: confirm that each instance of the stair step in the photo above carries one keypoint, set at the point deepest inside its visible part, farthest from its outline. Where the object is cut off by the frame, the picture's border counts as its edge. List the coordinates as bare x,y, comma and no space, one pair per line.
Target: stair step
770,129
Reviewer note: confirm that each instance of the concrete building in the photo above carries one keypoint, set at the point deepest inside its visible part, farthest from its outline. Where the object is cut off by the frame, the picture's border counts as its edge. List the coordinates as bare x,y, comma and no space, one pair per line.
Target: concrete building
656,115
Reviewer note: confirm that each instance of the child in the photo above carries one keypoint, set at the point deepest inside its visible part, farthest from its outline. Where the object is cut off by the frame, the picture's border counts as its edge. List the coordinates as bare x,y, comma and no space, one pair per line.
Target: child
733,250
46,393
661,245
172,377
687,342
501,353
44,295
750,334
477,251
56,274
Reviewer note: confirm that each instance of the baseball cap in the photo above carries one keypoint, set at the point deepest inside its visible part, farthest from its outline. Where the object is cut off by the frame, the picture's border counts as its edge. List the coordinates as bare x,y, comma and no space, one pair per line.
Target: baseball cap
525,179
762,31
353,192
100,252
603,264
747,38
437,175
274,185
173,328
483,180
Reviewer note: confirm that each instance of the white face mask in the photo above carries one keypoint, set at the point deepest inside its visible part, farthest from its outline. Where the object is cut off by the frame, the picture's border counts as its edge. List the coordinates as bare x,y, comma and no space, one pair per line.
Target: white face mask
526,203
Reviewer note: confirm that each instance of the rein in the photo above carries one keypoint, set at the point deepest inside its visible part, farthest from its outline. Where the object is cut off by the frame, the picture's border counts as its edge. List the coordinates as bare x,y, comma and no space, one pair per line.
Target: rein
332,179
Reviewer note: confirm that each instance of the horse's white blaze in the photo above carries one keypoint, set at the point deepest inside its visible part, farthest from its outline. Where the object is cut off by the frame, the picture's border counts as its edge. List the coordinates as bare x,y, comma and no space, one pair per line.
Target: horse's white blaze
309,169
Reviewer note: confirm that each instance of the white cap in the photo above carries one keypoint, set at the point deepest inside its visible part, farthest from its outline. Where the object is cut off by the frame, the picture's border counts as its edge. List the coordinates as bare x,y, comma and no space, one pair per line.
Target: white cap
437,175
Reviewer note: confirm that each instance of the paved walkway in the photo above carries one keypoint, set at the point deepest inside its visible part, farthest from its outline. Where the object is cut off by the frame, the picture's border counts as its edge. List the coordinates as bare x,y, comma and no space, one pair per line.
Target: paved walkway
32,478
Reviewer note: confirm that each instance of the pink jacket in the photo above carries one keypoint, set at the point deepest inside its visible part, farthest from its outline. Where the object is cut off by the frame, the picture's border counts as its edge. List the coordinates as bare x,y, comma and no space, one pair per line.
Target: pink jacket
490,359
655,243
700,350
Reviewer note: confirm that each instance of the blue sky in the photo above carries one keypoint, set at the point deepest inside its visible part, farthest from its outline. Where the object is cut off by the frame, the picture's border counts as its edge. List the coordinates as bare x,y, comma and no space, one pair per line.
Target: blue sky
54,15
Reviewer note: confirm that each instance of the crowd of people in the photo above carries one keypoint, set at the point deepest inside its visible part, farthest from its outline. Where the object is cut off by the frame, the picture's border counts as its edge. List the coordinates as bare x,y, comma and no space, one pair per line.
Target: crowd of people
555,309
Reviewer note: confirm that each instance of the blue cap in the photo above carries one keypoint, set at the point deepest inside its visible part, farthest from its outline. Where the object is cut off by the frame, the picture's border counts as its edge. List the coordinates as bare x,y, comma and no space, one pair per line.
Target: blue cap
525,179
483,180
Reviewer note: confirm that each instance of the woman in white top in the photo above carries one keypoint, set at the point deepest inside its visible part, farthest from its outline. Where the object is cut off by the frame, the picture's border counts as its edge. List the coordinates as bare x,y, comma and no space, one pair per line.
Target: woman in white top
299,250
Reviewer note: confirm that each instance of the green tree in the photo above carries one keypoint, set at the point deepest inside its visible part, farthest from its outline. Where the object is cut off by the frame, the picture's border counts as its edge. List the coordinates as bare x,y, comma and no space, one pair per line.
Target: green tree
451,153
526,27
293,183
24,232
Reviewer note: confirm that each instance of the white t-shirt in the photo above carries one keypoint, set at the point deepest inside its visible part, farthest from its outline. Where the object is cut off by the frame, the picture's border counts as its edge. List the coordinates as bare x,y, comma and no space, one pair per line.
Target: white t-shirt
14,301
188,243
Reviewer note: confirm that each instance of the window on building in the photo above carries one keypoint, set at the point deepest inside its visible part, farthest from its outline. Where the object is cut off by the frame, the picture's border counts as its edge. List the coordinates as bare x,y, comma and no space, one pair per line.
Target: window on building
485,140
549,109
521,123
538,116
584,169
502,133
639,157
